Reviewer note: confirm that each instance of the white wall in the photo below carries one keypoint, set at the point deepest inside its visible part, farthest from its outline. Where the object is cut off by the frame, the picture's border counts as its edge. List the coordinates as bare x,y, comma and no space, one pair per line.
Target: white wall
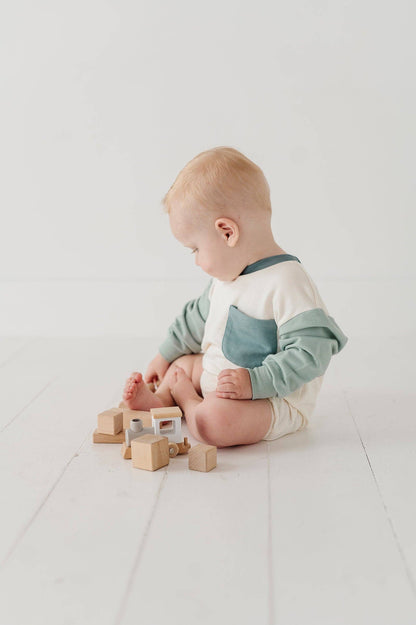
103,102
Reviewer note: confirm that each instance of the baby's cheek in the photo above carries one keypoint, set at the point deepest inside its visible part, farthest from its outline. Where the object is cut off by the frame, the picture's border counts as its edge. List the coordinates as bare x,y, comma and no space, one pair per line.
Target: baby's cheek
207,266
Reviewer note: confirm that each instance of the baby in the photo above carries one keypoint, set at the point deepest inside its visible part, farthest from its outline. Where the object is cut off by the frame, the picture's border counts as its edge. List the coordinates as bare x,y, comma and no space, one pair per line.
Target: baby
245,360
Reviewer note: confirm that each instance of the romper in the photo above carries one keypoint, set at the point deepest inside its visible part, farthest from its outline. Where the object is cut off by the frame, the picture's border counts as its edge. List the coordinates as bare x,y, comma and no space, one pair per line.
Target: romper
270,320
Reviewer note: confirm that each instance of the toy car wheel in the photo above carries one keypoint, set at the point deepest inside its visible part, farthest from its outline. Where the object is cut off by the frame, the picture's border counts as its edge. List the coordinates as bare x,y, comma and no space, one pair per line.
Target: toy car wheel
173,450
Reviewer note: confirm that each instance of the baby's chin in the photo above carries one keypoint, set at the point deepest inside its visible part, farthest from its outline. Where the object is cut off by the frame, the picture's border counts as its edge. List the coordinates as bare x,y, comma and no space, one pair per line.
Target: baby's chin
223,277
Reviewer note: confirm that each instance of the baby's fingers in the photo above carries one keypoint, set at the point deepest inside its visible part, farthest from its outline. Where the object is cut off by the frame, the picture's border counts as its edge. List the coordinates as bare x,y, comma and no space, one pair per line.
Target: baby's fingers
226,387
224,373
226,395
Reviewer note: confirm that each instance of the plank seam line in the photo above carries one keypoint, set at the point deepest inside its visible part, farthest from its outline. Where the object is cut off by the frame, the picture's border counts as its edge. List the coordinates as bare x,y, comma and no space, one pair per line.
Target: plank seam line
39,508
28,404
139,553
18,350
393,530
270,542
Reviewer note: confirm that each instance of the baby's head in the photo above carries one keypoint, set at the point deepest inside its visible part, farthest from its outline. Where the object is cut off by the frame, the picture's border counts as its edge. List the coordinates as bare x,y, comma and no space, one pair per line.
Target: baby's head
219,206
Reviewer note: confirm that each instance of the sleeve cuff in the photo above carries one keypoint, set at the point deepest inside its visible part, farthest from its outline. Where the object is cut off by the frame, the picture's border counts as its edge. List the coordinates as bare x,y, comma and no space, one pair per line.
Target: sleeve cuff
261,383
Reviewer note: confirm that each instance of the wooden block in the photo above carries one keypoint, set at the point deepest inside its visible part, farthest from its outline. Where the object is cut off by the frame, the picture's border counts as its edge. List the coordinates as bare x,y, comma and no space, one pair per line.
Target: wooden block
98,437
202,457
110,421
144,415
150,452
122,405
167,412
126,451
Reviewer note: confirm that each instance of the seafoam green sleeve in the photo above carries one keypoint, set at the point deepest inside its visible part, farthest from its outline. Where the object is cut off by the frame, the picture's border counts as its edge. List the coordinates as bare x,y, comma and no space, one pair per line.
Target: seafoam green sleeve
186,332
306,343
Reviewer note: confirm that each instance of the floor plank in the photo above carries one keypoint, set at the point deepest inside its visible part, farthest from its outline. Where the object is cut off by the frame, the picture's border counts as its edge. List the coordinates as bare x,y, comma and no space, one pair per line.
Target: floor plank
377,381
387,428
205,558
37,447
74,559
51,418
332,542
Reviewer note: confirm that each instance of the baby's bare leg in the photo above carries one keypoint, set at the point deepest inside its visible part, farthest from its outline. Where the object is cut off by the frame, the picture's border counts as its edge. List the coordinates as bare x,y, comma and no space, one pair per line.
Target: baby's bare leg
226,422
192,365
218,421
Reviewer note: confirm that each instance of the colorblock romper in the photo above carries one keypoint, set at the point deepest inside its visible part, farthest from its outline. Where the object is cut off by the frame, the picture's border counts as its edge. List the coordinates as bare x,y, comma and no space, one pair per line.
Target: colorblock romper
270,320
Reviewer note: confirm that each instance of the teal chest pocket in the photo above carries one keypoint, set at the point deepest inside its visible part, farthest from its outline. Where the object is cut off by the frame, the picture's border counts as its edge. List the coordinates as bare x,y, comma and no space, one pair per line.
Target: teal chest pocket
247,341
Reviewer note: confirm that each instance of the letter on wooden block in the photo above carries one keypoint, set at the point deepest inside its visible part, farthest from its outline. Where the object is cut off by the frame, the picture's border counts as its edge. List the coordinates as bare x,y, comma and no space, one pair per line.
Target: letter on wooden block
110,421
150,452
202,457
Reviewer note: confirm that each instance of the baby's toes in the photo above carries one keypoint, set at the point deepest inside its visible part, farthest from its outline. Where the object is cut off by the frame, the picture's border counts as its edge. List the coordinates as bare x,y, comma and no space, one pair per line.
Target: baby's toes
129,387
127,393
128,382
135,377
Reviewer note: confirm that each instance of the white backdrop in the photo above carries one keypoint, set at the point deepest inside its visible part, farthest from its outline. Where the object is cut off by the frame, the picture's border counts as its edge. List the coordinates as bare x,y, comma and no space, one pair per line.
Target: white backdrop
103,102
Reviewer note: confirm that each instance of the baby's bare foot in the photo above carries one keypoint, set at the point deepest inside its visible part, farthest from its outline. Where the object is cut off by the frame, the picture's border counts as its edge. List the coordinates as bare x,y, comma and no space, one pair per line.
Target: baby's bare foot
137,394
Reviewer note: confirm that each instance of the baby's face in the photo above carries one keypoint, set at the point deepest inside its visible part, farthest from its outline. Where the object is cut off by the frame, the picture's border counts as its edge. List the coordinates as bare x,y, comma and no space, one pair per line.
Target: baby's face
210,250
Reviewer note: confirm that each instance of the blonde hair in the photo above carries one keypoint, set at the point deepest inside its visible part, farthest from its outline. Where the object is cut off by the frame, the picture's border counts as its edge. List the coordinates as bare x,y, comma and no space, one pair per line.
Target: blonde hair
221,179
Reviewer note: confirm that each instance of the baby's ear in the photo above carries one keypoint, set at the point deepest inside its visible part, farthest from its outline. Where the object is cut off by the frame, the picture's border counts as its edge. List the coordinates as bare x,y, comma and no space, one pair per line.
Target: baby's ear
228,229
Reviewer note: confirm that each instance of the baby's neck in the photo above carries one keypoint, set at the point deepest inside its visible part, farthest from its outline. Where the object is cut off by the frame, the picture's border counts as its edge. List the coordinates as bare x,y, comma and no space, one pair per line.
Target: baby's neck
264,252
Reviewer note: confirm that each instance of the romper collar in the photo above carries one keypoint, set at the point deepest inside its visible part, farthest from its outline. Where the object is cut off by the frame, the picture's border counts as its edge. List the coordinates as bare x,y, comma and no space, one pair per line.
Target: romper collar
267,262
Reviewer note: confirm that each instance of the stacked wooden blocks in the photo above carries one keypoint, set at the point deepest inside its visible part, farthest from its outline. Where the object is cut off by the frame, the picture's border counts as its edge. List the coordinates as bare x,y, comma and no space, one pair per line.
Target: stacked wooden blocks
110,427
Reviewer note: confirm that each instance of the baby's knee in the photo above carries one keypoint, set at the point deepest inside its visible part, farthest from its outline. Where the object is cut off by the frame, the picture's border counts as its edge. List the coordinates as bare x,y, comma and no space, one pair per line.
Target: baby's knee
215,425
192,365
184,362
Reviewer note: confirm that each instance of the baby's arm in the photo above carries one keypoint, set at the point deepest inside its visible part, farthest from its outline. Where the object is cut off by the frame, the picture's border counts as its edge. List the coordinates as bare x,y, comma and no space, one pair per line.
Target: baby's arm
307,342
184,335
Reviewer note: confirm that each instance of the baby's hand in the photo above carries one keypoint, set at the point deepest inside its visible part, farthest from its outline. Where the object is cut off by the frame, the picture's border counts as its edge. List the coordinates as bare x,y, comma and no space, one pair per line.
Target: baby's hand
234,384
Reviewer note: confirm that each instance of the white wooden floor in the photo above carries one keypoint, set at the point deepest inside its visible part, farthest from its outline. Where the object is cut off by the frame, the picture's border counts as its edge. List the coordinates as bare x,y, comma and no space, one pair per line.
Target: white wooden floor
318,527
